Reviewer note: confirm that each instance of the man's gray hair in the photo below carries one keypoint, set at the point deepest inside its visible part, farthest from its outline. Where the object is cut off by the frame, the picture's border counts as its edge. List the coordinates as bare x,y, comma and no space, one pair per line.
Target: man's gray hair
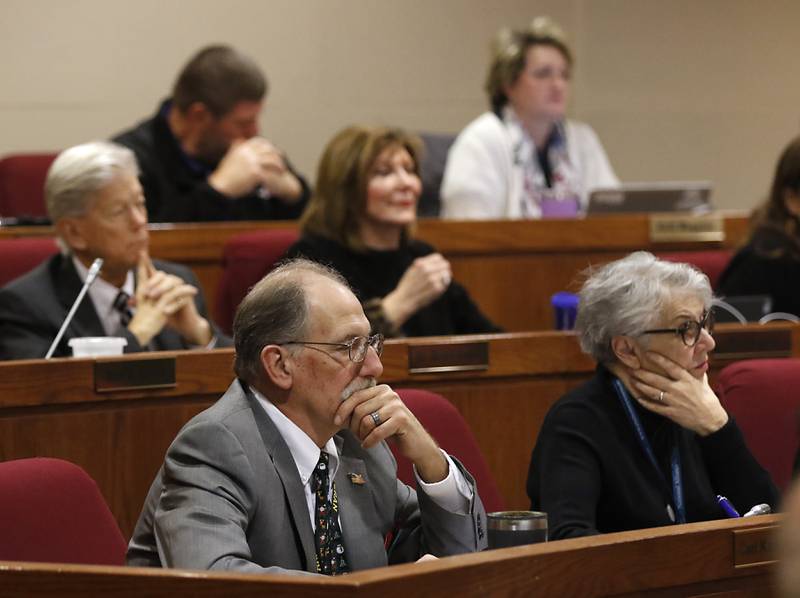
79,172
274,311
628,296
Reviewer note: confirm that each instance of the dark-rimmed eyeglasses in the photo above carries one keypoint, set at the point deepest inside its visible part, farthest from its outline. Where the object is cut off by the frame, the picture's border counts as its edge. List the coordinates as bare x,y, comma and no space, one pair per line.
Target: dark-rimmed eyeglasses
356,347
690,330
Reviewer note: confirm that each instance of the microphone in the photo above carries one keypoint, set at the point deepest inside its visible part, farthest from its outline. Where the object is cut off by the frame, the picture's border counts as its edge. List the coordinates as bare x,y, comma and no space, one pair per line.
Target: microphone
93,272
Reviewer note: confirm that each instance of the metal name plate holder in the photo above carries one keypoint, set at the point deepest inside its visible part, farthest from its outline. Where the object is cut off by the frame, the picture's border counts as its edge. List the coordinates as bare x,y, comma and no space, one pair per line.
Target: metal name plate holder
754,546
672,228
125,373
452,356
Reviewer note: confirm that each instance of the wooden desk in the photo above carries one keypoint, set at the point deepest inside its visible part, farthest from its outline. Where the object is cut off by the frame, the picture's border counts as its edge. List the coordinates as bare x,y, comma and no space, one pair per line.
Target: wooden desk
511,268
55,408
719,558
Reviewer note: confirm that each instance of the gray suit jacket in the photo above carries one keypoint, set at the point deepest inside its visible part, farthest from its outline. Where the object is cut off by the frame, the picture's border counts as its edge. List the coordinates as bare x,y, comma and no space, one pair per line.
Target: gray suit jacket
229,497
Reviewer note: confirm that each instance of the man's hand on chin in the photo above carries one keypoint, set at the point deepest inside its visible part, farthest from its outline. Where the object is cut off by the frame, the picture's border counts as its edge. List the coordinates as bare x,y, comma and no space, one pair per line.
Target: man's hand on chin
377,414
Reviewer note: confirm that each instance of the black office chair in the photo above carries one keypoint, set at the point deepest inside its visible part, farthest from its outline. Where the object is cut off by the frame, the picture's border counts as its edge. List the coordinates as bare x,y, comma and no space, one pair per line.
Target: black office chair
431,168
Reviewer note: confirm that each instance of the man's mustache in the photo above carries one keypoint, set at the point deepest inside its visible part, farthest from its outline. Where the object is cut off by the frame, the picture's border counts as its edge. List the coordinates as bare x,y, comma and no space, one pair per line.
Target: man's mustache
356,385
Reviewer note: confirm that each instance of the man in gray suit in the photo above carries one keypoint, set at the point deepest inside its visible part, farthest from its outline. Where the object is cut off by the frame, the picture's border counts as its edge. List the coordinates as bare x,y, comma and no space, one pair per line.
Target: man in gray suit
245,484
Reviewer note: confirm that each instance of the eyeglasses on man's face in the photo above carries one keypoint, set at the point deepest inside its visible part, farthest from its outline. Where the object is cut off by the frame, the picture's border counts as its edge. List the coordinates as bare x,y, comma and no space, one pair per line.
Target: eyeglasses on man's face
690,331
356,347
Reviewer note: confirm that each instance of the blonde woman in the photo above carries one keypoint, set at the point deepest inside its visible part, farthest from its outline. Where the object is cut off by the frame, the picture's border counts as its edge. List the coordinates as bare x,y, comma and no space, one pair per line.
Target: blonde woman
524,158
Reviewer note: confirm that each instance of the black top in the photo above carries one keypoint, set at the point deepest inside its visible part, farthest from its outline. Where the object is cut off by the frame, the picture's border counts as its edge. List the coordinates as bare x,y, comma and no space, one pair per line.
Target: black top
374,274
590,475
768,265
175,185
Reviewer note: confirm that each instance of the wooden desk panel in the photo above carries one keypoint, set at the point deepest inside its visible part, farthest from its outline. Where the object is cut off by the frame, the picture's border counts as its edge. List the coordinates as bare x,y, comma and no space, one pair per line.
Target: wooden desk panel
618,232
514,290
52,408
688,560
121,446
511,268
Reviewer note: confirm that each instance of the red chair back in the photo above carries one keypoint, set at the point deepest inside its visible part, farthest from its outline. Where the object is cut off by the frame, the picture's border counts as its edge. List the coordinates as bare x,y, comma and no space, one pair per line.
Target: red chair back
762,395
52,511
443,421
22,184
712,262
246,258
23,255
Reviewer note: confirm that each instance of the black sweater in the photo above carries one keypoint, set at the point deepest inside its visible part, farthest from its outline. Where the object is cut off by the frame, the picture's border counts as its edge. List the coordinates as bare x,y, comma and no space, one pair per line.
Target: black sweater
374,274
176,189
590,475
768,265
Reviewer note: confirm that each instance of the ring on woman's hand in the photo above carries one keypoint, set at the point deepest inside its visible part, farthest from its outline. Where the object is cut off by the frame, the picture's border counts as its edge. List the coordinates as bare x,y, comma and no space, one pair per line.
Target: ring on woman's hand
376,418
661,396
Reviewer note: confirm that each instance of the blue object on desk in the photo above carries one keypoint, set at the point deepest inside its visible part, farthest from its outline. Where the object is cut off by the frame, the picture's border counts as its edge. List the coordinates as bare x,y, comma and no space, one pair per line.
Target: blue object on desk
726,506
565,306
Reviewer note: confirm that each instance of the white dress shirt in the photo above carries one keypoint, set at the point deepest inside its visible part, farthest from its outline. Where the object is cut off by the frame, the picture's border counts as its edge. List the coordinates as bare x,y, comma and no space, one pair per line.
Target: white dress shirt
103,294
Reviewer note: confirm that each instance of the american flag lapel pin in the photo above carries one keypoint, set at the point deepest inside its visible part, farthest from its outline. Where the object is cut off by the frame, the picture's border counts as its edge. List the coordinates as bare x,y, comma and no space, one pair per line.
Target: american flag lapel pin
357,479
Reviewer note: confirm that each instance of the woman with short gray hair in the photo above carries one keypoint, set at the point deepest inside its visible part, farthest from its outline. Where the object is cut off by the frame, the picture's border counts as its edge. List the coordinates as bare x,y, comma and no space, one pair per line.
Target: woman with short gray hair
627,297
645,442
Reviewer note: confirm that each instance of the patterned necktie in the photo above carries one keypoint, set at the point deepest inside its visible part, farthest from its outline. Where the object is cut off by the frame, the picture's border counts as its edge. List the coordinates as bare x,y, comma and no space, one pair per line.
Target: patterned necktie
121,305
328,535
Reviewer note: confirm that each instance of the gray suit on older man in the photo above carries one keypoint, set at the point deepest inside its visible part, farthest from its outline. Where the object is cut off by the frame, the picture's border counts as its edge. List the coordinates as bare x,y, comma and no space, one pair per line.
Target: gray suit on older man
229,497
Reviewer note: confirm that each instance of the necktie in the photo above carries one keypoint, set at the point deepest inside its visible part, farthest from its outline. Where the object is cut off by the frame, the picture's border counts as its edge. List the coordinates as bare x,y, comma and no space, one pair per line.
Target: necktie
328,535
121,305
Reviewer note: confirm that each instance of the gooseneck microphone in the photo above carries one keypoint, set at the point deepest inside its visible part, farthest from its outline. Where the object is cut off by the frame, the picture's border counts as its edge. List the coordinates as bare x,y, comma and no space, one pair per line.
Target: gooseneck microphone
93,272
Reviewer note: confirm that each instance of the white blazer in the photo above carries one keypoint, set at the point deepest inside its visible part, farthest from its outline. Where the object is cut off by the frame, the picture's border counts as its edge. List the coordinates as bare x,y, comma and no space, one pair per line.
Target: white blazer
484,179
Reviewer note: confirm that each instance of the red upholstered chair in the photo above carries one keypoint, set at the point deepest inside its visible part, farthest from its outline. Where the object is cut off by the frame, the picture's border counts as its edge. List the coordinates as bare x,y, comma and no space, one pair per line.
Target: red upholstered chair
246,258
22,184
52,511
711,262
448,428
762,394
22,255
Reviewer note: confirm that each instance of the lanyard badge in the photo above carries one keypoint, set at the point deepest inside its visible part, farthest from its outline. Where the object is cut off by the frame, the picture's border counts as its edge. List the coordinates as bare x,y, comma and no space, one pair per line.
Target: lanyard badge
675,457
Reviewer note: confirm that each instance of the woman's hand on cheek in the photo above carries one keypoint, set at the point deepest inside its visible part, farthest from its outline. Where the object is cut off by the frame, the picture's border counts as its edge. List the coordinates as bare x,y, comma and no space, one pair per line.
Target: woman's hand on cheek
679,396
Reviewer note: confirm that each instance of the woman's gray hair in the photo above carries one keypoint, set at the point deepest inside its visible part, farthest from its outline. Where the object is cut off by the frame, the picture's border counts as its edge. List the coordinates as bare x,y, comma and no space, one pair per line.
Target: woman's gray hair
628,296
274,311
79,172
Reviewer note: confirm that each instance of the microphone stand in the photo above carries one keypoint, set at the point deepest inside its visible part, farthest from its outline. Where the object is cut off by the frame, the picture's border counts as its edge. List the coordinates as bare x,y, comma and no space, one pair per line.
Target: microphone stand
93,272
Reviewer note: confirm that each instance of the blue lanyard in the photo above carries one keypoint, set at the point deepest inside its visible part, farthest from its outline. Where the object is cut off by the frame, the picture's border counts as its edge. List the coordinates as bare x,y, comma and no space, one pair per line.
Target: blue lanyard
675,457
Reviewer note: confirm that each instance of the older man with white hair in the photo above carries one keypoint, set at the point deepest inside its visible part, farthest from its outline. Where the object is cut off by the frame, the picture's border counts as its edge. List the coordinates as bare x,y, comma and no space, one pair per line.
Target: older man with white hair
98,209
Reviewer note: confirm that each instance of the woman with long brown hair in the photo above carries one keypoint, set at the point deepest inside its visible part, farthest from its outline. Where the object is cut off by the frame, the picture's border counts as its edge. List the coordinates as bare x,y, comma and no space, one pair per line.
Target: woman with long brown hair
360,221
769,263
